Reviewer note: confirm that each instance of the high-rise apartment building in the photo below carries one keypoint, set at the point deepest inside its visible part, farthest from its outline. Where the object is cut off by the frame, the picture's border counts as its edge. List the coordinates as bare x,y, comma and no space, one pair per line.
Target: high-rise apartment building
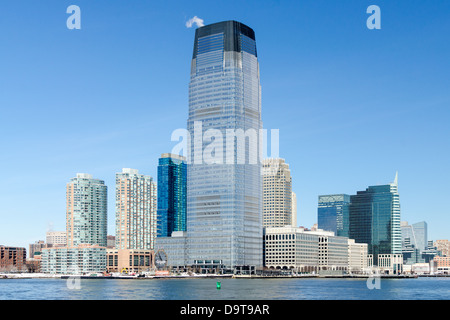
84,251
171,194
135,210
294,209
224,186
277,193
374,218
332,213
86,217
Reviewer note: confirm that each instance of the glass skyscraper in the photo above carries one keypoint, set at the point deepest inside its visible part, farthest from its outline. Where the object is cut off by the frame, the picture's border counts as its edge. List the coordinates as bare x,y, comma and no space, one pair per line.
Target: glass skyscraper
171,194
374,218
224,185
332,213
416,233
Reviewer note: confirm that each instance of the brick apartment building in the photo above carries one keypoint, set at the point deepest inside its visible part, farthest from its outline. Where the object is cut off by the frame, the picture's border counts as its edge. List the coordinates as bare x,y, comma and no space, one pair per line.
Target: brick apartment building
12,259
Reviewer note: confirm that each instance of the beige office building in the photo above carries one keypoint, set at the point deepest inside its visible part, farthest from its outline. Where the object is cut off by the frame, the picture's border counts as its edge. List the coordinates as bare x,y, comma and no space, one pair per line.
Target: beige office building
129,261
304,250
357,257
387,263
333,252
56,238
291,248
135,210
277,193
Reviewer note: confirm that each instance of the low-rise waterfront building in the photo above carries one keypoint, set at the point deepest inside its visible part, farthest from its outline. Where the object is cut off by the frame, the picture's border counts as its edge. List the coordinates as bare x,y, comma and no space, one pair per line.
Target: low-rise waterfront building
83,259
175,248
390,263
303,250
33,265
129,260
333,254
442,264
291,248
357,256
420,268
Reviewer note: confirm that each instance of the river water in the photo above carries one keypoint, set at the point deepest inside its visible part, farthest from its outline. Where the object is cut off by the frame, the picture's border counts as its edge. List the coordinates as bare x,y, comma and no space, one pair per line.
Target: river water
230,289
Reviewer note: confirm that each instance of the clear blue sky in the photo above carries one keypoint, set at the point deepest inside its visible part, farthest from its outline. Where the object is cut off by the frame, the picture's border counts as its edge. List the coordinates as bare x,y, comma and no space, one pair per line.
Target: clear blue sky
353,105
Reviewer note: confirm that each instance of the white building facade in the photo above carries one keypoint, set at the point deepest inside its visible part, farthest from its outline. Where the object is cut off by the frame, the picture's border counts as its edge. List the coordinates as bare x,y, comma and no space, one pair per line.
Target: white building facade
357,257
81,260
303,250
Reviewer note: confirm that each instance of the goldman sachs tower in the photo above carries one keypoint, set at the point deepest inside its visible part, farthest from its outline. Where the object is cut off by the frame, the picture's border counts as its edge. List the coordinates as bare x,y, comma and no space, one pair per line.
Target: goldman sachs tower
224,183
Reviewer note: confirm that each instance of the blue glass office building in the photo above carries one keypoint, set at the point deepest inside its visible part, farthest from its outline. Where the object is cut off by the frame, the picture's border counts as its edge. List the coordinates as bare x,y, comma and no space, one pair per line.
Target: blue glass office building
332,213
374,218
417,234
171,195
224,194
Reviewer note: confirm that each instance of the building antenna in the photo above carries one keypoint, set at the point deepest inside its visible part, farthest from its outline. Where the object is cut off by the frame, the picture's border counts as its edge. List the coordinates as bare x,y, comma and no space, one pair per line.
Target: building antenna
396,178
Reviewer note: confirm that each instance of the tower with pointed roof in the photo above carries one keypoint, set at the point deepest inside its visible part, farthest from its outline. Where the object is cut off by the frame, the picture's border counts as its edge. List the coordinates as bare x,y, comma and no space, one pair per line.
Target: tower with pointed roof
374,218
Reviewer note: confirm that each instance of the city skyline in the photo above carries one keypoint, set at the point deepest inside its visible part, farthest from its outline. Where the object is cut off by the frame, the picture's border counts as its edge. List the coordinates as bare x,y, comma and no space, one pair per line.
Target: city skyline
350,110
